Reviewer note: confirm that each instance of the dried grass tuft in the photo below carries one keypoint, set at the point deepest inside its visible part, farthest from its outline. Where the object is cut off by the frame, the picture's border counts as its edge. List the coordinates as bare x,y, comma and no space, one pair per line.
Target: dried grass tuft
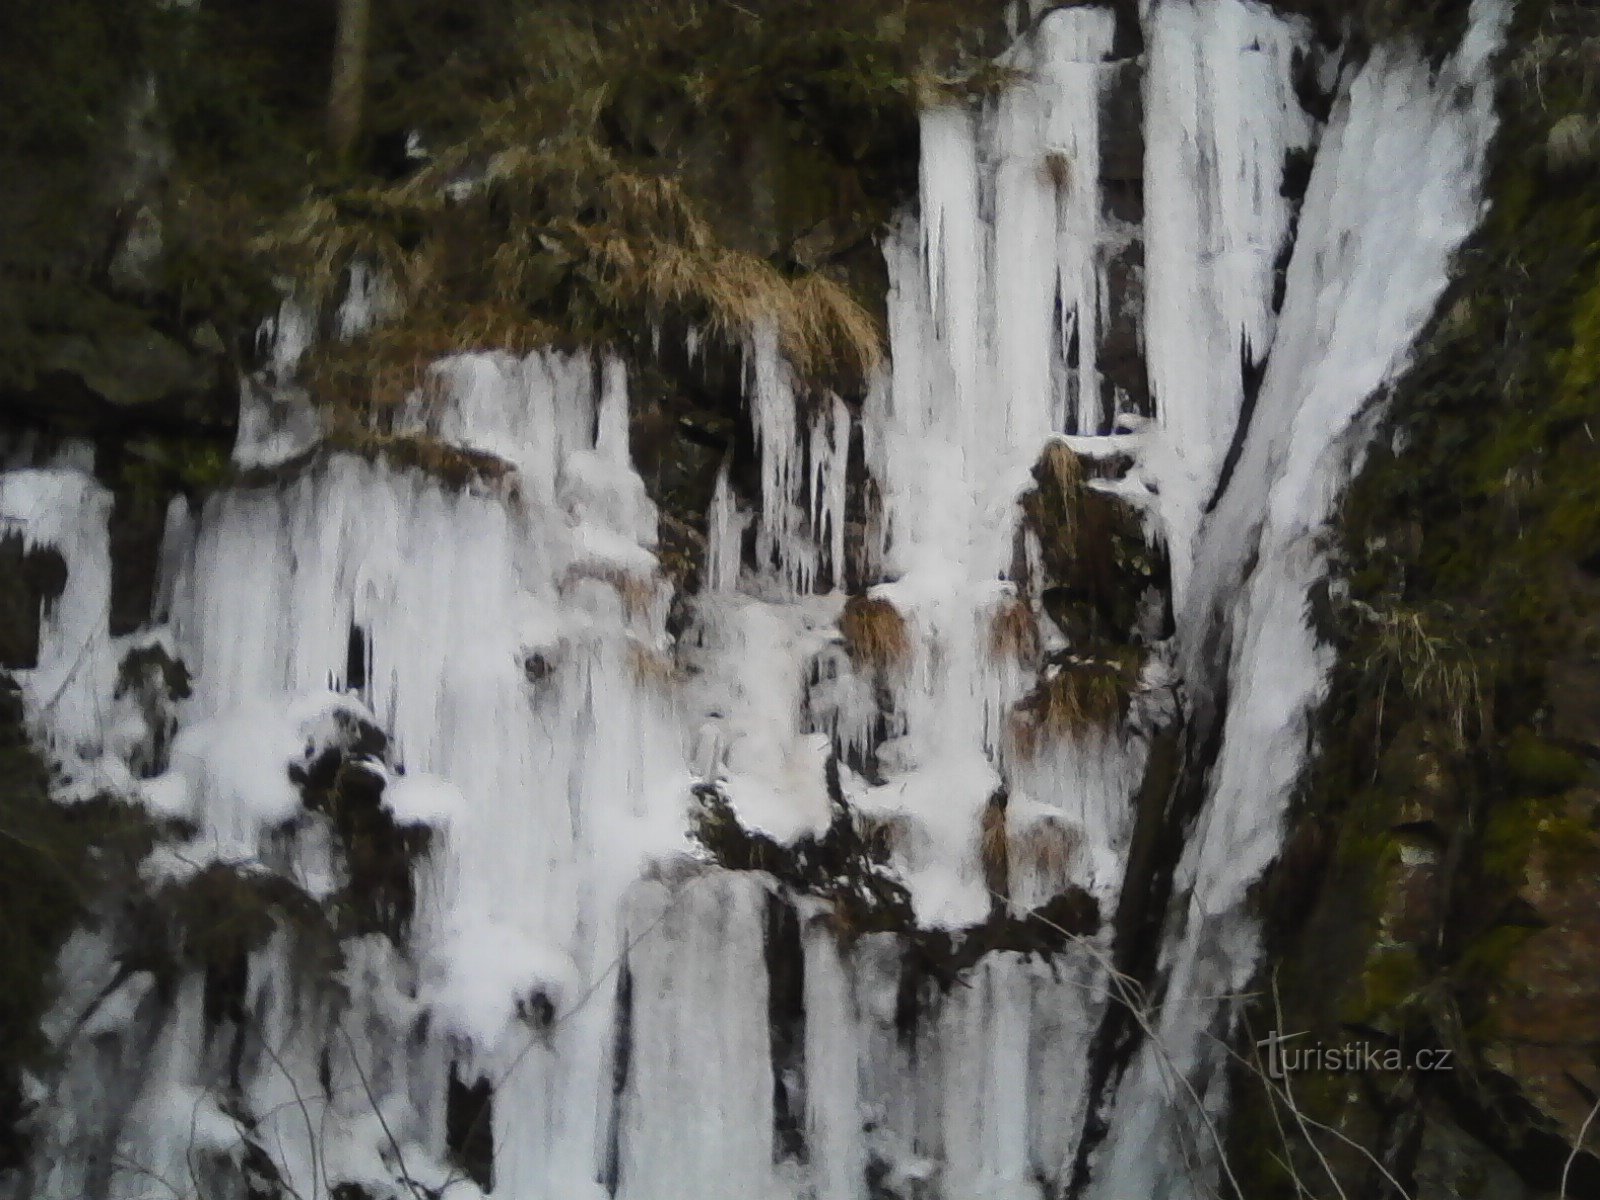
1436,672
883,835
1014,633
875,634
1046,850
395,361
1076,697
569,234
993,851
1055,169
453,465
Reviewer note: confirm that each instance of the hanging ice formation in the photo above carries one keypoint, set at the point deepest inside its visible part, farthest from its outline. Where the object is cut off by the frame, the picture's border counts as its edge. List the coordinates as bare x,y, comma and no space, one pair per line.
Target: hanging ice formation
817,897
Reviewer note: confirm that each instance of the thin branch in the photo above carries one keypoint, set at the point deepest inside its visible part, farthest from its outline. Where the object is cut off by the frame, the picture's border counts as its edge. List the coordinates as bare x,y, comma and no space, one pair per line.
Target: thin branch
1583,1132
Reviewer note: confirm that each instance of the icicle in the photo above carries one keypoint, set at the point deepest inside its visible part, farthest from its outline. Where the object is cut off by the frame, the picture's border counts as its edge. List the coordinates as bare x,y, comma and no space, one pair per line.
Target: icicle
783,540
1222,117
829,455
725,536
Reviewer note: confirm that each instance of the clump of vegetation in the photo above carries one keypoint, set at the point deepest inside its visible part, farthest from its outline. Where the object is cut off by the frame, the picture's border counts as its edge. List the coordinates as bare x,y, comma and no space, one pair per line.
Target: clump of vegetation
994,853
638,592
1014,633
520,174
456,465
882,835
1046,848
1432,670
875,634
1077,695
656,166
651,668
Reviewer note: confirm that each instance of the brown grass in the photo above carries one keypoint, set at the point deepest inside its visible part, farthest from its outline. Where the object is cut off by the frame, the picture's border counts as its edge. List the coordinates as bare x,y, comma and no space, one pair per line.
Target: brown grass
1078,527
875,634
558,222
883,835
1013,632
1057,503
933,88
1060,466
993,851
820,325
1079,696
1046,849
319,241
1435,671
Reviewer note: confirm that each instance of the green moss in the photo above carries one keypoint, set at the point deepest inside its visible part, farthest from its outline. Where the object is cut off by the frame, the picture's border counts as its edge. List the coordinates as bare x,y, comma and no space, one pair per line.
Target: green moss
157,467
1542,766
1508,839
1488,958
1388,983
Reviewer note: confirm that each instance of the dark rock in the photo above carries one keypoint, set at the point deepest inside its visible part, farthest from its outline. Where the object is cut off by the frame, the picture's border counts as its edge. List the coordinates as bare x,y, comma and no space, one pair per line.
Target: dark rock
29,579
136,528
130,369
1122,123
1123,371
121,373
786,1017
469,1128
1573,687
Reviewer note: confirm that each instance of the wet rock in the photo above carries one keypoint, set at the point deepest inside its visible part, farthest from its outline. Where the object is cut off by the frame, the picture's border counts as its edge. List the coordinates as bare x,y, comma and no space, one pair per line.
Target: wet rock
28,580
130,369
1573,687
1122,123
1453,1165
1546,1008
138,523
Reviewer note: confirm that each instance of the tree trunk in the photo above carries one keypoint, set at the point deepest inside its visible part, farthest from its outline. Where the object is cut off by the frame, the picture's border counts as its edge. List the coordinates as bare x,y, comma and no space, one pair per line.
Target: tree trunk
348,87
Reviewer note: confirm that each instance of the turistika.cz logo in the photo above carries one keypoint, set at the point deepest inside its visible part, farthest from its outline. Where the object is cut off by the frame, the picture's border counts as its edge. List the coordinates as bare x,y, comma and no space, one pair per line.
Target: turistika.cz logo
1287,1055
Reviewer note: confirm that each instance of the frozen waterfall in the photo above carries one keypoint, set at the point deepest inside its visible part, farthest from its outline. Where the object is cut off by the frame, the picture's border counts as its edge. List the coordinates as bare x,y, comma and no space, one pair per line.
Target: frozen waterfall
770,890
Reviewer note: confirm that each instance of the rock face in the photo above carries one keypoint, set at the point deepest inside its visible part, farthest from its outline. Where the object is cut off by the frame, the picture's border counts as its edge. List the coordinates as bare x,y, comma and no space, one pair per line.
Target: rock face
1543,1011
127,379
30,578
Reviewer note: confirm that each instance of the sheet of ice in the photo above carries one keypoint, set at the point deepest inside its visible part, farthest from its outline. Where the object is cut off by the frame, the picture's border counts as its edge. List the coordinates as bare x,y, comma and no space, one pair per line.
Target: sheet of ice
696,1111
1221,119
